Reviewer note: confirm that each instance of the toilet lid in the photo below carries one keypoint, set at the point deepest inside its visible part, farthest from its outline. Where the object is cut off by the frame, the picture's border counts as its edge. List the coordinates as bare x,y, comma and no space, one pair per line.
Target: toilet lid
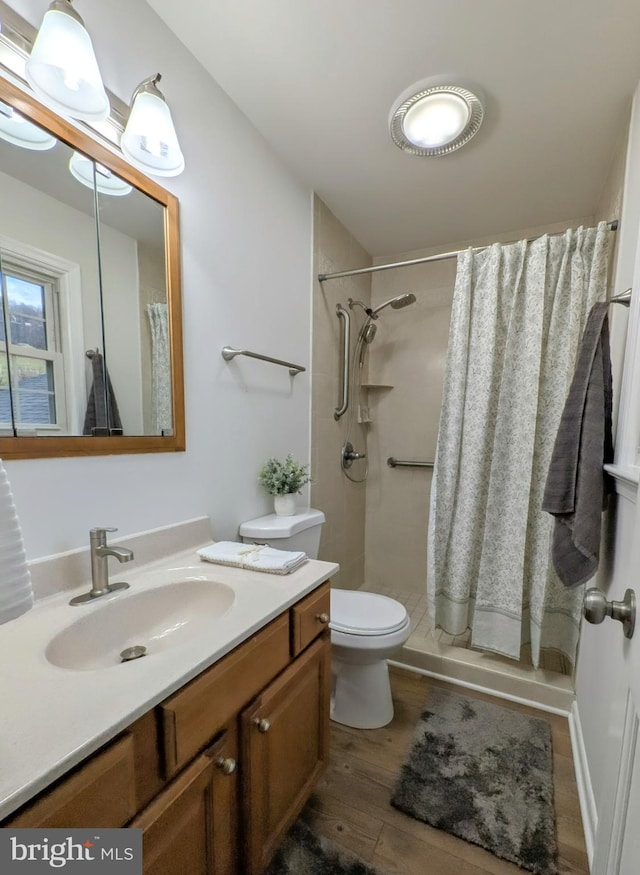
365,613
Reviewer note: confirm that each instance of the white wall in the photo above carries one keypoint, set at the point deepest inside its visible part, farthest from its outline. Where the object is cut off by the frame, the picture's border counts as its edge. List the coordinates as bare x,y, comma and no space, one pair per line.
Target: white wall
246,250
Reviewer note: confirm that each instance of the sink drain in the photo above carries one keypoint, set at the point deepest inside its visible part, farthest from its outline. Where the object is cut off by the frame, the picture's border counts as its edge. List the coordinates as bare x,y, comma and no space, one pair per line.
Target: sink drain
135,652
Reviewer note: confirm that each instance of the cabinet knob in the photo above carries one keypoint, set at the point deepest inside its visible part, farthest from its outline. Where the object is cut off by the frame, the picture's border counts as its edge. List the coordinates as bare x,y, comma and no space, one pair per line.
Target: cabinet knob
323,618
227,765
262,723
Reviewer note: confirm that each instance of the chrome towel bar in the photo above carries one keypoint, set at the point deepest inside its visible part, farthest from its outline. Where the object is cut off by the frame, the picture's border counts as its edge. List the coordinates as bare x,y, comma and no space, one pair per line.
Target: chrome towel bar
229,353
408,463
623,298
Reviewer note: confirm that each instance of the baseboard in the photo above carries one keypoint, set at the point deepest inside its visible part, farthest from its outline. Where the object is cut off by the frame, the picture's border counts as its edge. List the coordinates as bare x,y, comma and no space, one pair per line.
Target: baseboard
490,691
547,691
587,799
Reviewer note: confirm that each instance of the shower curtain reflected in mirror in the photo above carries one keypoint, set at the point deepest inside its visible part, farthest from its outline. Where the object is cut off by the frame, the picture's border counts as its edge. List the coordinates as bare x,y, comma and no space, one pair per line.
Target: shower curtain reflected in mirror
161,419
518,315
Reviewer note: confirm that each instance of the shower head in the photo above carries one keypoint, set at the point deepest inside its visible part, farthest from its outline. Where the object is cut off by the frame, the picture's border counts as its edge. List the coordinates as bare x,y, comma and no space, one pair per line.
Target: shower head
369,332
396,303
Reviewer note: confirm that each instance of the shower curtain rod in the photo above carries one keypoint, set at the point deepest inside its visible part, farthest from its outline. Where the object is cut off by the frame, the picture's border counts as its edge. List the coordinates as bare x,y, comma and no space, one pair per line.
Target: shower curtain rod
441,257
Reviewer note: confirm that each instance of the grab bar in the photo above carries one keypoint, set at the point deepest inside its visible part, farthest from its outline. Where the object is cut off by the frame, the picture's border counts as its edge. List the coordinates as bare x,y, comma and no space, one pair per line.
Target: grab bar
408,463
345,335
229,353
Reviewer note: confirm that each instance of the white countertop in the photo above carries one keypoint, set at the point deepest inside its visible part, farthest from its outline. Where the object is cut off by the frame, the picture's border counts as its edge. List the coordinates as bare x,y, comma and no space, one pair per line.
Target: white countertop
51,718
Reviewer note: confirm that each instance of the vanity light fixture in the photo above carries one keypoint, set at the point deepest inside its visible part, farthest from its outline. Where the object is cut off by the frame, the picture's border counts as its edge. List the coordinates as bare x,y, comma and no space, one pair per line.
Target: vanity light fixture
62,67
435,120
18,131
149,141
106,182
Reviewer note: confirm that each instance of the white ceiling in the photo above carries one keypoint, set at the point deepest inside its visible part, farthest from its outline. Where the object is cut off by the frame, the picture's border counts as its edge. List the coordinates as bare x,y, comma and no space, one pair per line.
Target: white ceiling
318,78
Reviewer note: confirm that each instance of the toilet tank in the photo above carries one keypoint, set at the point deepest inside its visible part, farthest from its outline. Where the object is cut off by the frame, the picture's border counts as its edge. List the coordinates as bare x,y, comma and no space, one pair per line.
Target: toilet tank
301,531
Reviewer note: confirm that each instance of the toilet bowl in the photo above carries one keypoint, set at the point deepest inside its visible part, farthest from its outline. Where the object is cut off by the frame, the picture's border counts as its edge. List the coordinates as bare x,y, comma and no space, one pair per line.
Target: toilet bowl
366,630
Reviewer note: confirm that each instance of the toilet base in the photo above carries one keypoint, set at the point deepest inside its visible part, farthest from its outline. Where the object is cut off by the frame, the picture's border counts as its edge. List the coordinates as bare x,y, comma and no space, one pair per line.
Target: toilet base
361,694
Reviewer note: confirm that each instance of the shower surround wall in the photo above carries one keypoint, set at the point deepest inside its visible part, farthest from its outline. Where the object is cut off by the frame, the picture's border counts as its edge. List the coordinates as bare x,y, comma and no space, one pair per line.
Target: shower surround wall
343,502
408,355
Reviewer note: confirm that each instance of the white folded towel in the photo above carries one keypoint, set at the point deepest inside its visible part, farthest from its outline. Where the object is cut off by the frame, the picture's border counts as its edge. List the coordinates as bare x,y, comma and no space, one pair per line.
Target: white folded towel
256,557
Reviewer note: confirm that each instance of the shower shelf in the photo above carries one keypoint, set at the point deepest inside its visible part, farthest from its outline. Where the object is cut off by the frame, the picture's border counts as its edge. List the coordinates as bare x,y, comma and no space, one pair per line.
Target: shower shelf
364,416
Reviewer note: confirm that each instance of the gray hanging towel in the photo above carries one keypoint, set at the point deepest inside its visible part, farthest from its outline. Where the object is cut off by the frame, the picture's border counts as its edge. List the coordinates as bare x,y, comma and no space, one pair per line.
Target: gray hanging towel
102,416
577,485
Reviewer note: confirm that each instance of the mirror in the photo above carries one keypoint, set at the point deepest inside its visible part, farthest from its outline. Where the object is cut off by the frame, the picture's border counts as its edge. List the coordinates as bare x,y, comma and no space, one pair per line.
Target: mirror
90,302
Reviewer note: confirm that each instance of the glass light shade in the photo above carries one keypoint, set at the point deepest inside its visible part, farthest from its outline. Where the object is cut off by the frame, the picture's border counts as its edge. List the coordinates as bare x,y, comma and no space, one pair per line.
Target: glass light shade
436,120
149,140
18,131
106,182
62,68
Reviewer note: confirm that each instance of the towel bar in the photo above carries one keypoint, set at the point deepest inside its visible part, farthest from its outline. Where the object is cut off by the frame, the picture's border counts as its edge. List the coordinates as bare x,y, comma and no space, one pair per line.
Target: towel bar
623,298
229,353
408,463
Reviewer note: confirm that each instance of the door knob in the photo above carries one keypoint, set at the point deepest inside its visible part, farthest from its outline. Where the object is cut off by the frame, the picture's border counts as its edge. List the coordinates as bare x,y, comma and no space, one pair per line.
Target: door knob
262,724
595,608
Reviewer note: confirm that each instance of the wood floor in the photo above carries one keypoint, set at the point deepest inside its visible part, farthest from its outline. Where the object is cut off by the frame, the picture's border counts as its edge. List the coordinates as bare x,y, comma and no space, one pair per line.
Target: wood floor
351,804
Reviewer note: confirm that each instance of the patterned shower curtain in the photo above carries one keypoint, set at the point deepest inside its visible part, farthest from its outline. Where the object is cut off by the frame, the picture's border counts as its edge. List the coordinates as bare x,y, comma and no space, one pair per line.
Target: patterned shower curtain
518,315
161,412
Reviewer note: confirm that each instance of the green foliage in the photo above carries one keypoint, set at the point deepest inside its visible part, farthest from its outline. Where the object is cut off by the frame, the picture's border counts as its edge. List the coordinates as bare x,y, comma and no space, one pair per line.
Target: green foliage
282,478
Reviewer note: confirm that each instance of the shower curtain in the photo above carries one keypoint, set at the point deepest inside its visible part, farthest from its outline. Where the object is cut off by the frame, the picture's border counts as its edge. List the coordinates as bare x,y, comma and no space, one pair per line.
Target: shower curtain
518,315
161,412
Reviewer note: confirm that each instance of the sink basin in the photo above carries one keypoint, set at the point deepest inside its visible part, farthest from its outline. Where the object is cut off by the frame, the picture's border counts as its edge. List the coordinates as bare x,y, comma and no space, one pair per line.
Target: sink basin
157,619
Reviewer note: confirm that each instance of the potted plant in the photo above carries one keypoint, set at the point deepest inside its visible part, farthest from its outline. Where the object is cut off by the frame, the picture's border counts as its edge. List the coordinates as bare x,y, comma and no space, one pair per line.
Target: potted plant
283,480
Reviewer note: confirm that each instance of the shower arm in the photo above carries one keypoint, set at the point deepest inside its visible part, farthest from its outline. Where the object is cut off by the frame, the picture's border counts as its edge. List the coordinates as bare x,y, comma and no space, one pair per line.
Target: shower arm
345,331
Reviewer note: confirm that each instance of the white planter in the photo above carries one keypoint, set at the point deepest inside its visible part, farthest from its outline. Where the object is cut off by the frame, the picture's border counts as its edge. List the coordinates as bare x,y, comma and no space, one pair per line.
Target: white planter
285,505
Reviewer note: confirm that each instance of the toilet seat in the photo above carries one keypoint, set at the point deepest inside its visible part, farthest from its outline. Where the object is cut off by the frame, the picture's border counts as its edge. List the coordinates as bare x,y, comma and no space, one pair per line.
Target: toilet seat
354,612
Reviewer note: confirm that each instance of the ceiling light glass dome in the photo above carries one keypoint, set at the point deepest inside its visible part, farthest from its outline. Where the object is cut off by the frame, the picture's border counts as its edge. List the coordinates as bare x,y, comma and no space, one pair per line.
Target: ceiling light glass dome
436,120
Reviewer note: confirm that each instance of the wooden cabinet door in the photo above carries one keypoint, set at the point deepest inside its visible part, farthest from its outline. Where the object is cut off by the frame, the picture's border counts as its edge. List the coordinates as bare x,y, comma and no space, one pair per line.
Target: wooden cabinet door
192,826
98,793
225,791
285,748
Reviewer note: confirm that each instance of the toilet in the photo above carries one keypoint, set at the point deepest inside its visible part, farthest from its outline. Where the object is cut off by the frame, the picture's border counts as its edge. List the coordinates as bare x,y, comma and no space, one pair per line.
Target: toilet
366,628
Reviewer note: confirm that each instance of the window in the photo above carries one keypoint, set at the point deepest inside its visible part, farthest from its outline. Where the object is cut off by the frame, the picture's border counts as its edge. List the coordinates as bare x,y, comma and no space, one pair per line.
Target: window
32,375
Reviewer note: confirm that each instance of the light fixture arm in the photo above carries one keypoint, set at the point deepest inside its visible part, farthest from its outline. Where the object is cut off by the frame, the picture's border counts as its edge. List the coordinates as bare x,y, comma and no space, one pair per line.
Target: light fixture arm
148,86
66,7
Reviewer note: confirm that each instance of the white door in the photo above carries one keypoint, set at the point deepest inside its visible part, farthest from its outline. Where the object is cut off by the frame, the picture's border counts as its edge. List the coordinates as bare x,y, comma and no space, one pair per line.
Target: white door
617,845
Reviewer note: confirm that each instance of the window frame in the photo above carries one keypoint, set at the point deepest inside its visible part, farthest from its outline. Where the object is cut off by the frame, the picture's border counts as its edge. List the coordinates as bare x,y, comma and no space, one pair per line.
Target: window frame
64,277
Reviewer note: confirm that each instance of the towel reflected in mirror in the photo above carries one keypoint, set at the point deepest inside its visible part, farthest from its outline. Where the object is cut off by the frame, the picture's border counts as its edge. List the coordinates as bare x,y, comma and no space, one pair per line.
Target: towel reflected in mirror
102,417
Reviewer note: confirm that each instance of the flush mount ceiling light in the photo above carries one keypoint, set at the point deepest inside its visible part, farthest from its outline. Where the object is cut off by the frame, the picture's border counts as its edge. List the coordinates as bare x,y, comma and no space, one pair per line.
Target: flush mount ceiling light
15,129
62,68
106,182
149,141
436,120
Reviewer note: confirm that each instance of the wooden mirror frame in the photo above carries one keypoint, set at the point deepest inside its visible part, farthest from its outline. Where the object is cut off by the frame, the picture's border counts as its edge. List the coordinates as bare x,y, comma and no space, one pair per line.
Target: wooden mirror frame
38,447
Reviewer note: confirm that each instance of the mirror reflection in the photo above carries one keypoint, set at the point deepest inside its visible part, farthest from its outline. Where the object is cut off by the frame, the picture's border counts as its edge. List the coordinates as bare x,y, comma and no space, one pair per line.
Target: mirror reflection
134,309
85,315
50,290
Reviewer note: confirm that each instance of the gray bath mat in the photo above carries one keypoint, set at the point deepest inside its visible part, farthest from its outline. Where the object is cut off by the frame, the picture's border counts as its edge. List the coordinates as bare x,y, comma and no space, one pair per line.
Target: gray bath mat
485,774
305,853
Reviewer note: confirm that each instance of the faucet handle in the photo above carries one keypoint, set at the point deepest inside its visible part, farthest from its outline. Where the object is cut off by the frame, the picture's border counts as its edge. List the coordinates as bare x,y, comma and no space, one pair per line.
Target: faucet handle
99,532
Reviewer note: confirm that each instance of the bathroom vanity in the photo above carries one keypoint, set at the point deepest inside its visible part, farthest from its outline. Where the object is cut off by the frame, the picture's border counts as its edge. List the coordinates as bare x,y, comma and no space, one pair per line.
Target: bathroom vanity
215,772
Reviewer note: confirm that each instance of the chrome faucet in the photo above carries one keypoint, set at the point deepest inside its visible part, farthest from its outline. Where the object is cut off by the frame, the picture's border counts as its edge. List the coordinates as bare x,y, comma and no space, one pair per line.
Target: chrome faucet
100,551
